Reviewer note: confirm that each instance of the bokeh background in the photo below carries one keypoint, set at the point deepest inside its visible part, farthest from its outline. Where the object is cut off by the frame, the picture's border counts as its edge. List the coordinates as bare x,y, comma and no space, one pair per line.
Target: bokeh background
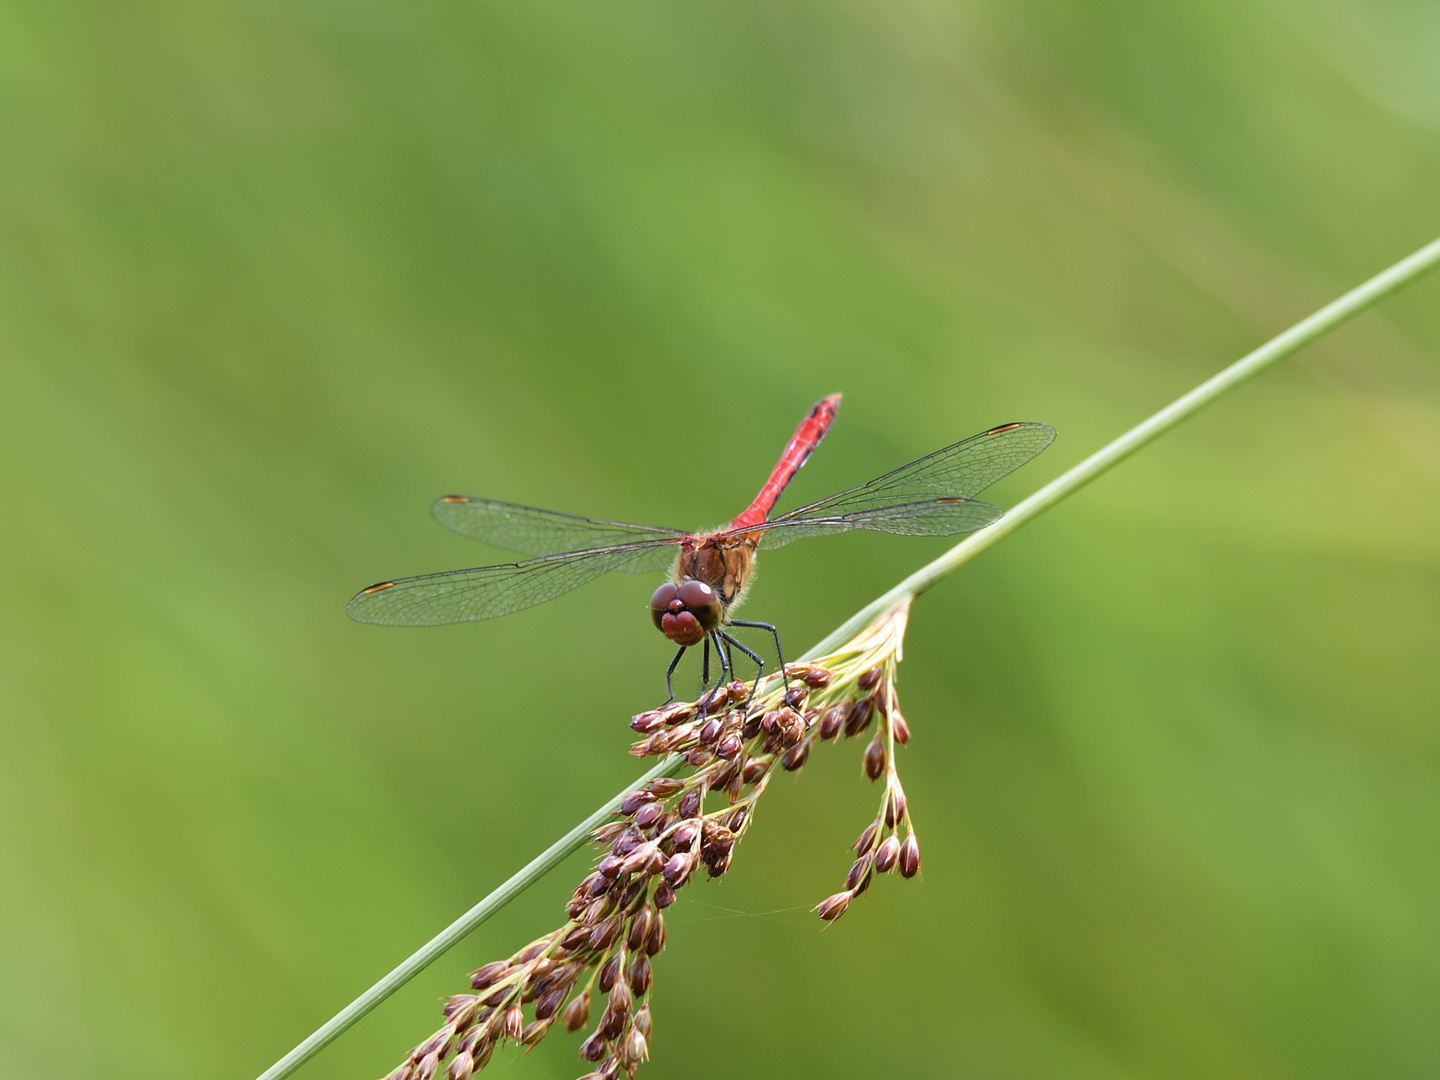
275,275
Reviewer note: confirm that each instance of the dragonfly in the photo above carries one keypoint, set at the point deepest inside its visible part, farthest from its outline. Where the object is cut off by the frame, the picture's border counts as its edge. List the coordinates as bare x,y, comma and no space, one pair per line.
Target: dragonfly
709,571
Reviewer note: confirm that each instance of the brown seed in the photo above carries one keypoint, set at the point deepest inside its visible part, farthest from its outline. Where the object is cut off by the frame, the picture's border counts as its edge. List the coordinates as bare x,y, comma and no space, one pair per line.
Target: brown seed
716,867
648,814
866,840
647,722
577,937
426,1066
736,821
832,907
679,712
754,769
736,690
689,804
597,910
461,1067
861,713
664,895
899,727
610,864
710,732
713,701
869,679
833,721
817,677
548,1003
677,870
685,835
751,727
488,974
578,1012
887,854
732,789
875,758
642,1020
604,935
611,1022
858,879
593,1048
795,757
609,972
635,1050
655,939
498,998
729,746
895,806
513,1023
698,757
721,779
910,857
666,786
620,997
639,927
770,722
881,698
640,975
534,1032
628,841
635,800
598,884
795,696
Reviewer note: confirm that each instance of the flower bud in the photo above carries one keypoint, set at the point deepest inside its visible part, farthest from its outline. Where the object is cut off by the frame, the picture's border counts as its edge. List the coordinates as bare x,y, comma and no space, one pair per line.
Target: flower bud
689,804
858,719
870,679
635,1050
620,997
513,1022
910,857
866,840
685,835
593,1048
858,879
832,907
647,722
678,868
634,801
710,732
832,721
461,1067
795,696
609,973
899,727
887,854
754,769
548,1003
578,1012
664,895
655,939
640,974
875,758
604,935
795,757
729,746
488,975
817,677
639,927
648,814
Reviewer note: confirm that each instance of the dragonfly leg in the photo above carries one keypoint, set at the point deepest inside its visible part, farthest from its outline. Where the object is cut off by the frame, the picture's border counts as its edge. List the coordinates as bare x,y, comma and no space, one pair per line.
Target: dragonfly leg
726,664
773,633
752,655
671,671
705,667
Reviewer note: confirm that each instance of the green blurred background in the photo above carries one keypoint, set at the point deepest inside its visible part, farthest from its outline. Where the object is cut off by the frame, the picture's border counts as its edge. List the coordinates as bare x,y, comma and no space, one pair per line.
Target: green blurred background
275,275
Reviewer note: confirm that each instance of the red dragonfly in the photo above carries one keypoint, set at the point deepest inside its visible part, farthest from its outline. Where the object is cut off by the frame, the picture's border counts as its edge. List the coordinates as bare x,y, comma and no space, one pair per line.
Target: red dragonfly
933,496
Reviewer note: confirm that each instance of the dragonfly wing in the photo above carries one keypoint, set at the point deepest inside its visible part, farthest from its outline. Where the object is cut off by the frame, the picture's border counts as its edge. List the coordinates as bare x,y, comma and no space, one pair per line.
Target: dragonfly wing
929,517
960,471
488,592
537,532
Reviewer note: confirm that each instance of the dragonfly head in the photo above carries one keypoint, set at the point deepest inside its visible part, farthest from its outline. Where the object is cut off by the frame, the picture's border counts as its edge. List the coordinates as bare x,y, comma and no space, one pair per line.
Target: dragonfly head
686,612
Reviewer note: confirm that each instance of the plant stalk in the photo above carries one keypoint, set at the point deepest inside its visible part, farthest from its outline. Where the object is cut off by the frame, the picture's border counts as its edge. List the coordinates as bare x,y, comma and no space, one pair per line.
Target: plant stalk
1278,348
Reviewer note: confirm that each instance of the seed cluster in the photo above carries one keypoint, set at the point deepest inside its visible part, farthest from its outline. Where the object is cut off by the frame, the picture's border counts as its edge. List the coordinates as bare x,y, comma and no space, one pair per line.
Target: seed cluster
731,740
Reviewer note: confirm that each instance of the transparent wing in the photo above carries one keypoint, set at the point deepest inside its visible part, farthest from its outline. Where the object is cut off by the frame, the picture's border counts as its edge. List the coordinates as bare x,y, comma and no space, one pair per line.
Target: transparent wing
536,532
933,496
488,592
934,517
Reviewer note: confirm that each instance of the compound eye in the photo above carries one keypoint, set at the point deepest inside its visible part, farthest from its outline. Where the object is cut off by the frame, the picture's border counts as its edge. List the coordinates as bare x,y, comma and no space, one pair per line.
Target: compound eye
660,600
696,594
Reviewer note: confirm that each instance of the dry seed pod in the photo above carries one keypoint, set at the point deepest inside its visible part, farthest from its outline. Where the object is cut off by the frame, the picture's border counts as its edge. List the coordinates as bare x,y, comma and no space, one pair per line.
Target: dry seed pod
593,1048
859,717
833,721
635,800
648,722
611,1023
642,1020
795,696
488,975
534,1032
677,870
875,758
858,879
685,835
427,1065
817,677
461,1067
729,746
870,679
639,927
620,997
655,939
887,854
648,814
910,857
635,1050
899,727
698,758
866,840
664,895
754,769
609,972
578,1012
795,757
513,1022
710,732
689,804
640,975
832,907
666,786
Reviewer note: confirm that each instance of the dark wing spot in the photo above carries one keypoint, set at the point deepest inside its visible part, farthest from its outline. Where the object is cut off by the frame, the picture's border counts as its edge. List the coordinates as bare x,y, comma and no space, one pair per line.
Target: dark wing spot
952,499
456,498
380,587
1002,427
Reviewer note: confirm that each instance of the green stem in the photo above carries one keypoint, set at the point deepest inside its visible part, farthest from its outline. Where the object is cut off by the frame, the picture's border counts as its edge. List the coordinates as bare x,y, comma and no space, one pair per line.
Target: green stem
1299,335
